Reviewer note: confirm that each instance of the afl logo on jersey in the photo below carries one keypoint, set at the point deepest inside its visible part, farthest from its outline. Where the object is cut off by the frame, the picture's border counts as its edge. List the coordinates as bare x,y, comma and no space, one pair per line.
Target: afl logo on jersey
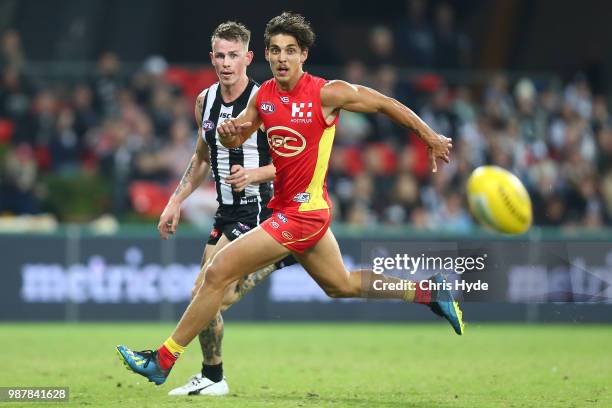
267,107
285,141
207,125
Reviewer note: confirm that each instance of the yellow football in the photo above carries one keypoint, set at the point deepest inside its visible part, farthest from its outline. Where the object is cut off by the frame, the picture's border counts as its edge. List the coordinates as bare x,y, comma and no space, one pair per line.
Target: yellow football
498,199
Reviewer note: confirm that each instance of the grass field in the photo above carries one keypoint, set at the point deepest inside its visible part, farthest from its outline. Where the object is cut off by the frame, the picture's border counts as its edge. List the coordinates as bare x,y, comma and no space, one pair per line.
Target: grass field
332,365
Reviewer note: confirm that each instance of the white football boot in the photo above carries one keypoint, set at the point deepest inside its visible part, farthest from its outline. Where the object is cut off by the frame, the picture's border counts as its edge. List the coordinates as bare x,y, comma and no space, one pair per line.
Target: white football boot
198,385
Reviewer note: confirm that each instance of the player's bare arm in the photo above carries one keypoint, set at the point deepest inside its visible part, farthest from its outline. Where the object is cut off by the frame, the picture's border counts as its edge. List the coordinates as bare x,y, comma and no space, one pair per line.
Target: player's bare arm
233,132
241,177
337,95
197,169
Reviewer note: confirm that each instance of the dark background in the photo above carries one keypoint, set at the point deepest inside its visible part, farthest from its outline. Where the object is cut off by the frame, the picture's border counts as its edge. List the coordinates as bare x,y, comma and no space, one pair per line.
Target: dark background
544,35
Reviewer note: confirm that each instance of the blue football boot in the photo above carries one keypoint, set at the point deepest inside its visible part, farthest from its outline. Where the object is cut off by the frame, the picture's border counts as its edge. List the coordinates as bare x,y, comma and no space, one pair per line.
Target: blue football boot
443,304
145,363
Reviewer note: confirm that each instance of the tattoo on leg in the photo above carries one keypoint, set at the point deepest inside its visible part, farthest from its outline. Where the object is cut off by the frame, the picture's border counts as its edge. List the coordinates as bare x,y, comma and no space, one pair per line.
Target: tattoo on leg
210,340
246,284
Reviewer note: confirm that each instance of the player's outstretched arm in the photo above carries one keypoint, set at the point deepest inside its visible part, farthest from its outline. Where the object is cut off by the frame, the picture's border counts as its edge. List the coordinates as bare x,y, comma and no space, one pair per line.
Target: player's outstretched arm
197,170
233,132
241,177
337,95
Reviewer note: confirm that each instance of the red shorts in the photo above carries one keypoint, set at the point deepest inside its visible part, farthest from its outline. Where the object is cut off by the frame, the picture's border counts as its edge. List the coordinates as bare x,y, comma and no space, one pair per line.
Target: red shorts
297,230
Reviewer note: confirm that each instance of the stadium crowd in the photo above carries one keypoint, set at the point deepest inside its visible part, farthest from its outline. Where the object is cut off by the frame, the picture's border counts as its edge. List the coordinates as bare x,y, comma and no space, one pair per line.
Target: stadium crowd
128,138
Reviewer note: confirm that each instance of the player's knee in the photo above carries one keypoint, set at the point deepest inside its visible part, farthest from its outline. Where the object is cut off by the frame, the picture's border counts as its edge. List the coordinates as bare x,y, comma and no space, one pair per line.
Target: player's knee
216,276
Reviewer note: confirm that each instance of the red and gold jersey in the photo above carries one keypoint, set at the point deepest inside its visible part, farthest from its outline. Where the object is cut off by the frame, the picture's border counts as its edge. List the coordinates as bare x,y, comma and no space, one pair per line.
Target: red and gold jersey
300,143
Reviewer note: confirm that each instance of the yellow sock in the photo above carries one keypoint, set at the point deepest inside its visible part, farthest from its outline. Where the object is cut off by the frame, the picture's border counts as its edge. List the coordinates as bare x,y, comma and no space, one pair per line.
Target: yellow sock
409,295
173,347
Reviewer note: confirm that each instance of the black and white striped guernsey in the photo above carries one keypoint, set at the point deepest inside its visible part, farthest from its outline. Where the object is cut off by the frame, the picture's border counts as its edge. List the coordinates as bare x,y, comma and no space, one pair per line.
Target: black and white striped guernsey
252,154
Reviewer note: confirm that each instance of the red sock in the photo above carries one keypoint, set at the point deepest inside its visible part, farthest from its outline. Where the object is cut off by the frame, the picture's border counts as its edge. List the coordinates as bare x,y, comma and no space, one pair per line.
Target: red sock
168,352
165,357
422,295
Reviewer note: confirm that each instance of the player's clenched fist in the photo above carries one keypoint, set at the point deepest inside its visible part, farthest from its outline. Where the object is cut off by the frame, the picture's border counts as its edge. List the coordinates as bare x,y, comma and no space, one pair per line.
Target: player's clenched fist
229,129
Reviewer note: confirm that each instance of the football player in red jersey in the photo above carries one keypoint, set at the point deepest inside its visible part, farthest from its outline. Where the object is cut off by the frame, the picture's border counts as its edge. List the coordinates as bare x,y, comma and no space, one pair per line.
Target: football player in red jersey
299,112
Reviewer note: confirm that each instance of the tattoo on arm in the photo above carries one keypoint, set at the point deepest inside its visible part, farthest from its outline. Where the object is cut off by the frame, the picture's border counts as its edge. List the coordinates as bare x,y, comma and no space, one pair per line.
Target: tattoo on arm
211,338
186,179
199,109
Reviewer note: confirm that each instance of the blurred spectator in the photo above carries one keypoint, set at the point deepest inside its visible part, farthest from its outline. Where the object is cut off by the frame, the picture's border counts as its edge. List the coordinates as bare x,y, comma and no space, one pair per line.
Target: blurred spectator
149,163
15,103
44,117
453,48
439,114
359,214
179,150
604,150
498,104
356,72
161,109
463,105
11,52
386,82
403,200
453,215
18,177
65,146
381,47
107,83
86,117
415,36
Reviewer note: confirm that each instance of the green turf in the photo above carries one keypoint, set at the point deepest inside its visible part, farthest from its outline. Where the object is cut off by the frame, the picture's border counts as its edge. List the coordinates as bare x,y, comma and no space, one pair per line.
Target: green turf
336,365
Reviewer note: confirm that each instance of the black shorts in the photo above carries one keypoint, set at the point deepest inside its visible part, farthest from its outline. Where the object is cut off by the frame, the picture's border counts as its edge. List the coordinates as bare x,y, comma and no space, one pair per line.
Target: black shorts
235,220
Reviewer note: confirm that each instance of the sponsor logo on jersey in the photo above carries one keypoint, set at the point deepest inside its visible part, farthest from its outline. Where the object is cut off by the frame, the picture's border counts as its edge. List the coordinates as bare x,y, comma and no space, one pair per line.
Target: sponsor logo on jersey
282,217
301,110
208,125
249,200
285,141
301,120
225,115
287,235
274,224
267,107
284,99
302,198
236,232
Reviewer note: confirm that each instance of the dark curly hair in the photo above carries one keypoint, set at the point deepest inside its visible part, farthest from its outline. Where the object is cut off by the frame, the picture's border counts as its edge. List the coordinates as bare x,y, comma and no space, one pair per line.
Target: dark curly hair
293,24
232,31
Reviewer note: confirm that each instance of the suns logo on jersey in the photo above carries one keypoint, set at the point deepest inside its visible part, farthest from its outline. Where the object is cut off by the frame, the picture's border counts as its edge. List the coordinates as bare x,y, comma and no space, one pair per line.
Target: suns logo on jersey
285,141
